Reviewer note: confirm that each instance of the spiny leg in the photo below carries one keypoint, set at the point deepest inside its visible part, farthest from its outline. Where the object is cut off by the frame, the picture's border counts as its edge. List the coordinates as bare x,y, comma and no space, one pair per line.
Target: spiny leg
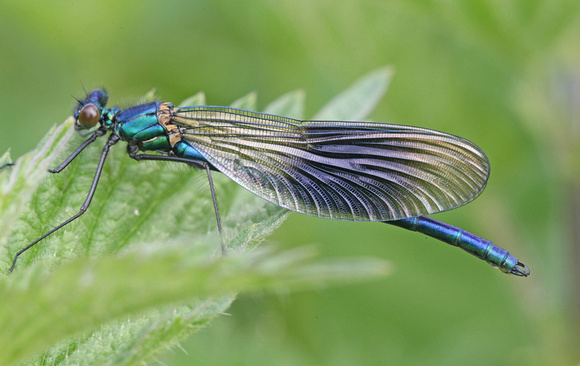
98,133
113,139
215,207
132,150
78,150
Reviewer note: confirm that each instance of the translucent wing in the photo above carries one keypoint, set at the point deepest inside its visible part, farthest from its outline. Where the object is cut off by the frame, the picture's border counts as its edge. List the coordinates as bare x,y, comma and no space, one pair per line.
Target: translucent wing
355,171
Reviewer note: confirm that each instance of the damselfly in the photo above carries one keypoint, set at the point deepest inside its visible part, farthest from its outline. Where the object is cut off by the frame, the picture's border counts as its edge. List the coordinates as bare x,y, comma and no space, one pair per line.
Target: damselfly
353,171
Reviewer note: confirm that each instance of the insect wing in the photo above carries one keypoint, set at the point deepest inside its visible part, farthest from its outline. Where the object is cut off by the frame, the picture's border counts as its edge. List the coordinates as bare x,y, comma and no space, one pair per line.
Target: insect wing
355,171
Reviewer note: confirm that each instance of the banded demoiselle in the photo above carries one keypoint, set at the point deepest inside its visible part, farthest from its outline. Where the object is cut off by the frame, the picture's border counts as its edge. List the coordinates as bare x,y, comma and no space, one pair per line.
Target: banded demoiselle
353,171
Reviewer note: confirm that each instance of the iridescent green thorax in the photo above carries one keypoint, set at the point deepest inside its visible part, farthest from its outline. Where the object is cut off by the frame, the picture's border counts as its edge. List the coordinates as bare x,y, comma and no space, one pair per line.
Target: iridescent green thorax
148,125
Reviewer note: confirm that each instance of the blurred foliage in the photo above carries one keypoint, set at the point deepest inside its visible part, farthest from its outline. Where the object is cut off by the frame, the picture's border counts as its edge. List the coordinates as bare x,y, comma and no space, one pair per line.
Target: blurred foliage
503,74
66,302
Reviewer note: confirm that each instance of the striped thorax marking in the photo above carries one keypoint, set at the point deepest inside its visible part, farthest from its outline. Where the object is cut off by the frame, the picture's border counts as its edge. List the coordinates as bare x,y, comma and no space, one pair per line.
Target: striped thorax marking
165,118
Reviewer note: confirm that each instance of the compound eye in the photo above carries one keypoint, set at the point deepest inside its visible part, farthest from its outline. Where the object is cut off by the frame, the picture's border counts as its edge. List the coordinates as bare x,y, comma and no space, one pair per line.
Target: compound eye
89,116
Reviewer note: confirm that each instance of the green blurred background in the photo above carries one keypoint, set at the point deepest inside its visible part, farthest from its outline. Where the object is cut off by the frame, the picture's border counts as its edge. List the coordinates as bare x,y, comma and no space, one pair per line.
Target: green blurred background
504,74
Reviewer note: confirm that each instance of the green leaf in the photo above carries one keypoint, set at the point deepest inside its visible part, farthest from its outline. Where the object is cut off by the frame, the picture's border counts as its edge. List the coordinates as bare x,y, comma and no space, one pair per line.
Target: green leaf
19,182
357,102
5,158
141,269
139,290
288,105
248,102
196,99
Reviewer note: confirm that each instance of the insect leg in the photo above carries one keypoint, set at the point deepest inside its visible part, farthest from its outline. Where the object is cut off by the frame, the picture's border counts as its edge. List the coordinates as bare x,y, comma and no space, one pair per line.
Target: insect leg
100,132
132,149
113,139
215,207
